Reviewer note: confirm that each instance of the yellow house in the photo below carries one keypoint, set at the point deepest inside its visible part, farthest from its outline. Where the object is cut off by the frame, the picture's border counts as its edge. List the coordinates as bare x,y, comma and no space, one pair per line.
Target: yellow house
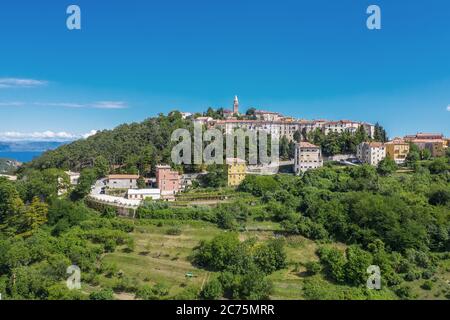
236,169
397,150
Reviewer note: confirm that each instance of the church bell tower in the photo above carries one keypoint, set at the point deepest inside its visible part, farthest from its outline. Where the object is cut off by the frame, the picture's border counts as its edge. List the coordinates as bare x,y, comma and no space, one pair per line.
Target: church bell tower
236,105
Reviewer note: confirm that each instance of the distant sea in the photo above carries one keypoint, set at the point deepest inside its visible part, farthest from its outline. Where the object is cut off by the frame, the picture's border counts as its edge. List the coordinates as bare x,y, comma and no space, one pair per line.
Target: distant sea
21,156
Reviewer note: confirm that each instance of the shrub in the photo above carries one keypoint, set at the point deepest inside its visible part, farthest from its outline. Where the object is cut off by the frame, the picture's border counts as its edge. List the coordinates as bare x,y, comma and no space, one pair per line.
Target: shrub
427,285
212,290
217,253
156,292
104,294
174,231
313,267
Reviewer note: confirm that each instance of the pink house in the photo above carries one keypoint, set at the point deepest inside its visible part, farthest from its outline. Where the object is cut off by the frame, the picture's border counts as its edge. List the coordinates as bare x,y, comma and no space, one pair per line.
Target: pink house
168,181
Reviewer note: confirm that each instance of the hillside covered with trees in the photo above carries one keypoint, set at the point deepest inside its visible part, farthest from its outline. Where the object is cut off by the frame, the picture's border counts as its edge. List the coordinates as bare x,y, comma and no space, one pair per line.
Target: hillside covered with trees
129,147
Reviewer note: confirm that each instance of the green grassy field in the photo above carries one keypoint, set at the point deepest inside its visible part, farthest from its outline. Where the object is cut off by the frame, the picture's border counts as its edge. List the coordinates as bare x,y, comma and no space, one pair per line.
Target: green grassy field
162,258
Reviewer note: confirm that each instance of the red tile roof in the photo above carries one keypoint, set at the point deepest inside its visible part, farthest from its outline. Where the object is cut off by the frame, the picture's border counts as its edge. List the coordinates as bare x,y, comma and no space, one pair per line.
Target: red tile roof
305,144
123,176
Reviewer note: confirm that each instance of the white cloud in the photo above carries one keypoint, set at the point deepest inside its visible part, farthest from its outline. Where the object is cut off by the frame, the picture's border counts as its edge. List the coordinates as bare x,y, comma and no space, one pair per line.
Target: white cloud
448,107
110,105
89,134
58,104
93,105
12,104
21,83
43,136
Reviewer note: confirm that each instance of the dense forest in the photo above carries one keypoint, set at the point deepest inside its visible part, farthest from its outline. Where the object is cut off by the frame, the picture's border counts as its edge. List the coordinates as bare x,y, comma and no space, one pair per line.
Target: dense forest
129,147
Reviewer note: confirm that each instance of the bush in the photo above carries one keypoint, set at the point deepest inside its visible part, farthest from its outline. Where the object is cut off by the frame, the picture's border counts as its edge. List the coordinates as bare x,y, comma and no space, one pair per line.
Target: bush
125,284
386,166
270,256
334,262
217,253
427,285
212,290
104,294
404,292
313,267
174,231
156,292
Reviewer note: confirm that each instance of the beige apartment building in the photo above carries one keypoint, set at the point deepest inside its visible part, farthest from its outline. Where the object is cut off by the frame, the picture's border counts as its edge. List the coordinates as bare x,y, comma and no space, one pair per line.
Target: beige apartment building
371,152
307,156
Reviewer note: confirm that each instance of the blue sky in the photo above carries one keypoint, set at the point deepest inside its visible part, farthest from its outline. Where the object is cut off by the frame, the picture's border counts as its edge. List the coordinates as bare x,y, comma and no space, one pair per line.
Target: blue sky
309,59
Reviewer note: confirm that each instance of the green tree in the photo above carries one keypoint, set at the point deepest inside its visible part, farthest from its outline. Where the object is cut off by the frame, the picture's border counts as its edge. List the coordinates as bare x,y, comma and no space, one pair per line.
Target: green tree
313,267
250,113
141,183
297,136
334,262
425,154
439,165
358,261
101,166
386,166
217,253
87,179
10,204
216,176
254,286
270,256
284,148
361,135
213,290
32,218
440,196
380,134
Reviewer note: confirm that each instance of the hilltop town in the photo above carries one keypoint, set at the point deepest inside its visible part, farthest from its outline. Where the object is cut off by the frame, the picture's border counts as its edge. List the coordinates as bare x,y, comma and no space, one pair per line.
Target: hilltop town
128,191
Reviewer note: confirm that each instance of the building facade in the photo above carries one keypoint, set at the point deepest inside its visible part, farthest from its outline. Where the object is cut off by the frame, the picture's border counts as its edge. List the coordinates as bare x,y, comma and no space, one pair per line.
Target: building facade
267,115
142,194
168,181
74,177
371,152
434,142
236,171
288,127
122,181
275,123
397,150
307,156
